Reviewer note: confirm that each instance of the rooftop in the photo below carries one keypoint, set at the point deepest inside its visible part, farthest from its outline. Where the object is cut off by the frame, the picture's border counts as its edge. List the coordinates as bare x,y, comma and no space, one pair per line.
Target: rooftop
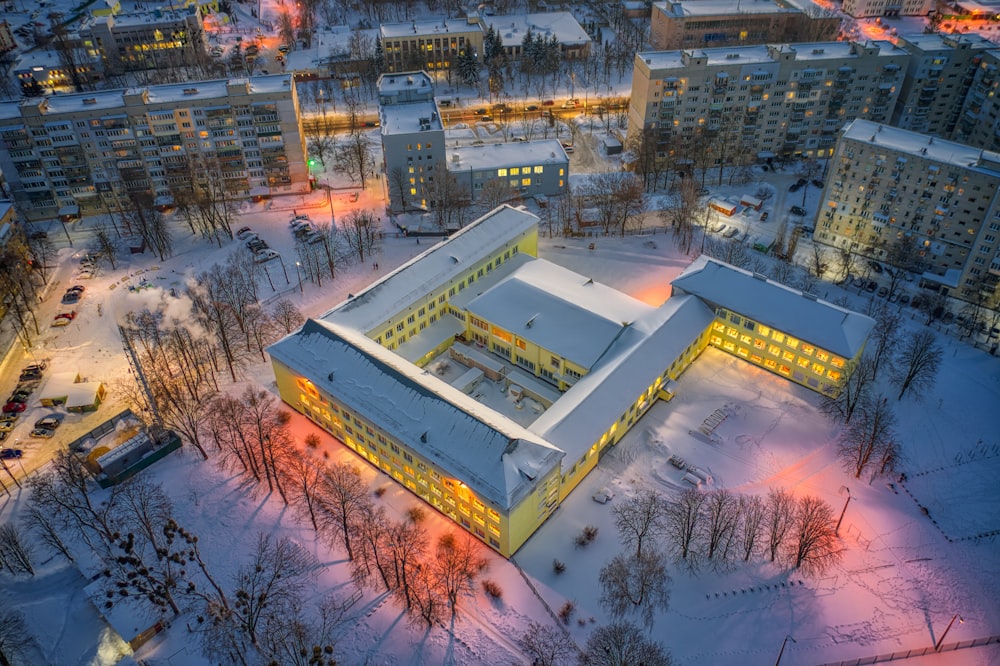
428,27
408,118
920,145
738,56
723,8
932,41
513,27
791,311
503,155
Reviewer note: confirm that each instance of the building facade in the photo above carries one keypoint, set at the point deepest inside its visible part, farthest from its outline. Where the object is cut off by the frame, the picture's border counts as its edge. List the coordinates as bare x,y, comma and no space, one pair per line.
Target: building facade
787,100
431,45
715,23
897,195
145,40
979,121
524,169
873,8
937,82
96,150
588,362
412,135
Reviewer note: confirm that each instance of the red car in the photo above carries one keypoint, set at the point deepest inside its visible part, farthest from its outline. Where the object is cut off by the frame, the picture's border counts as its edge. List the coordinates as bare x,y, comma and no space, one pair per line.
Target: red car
14,407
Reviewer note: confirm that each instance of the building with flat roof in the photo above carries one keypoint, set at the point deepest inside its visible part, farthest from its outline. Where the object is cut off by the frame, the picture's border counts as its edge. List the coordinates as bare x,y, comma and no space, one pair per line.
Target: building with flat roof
932,204
714,23
873,8
573,40
937,81
146,39
523,168
429,44
785,100
94,150
574,365
979,119
43,71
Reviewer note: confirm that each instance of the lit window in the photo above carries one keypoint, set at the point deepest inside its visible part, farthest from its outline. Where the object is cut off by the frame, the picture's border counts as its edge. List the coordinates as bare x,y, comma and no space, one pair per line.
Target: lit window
501,172
514,171
538,169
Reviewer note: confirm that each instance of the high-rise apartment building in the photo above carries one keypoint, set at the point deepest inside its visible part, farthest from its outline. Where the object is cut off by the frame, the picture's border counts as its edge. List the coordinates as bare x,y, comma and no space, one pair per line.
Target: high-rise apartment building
927,203
786,100
91,150
938,77
979,120
412,139
714,23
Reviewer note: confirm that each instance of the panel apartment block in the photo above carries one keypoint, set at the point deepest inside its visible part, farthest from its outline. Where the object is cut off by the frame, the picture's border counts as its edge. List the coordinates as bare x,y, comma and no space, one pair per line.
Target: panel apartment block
887,185
93,150
787,100
979,121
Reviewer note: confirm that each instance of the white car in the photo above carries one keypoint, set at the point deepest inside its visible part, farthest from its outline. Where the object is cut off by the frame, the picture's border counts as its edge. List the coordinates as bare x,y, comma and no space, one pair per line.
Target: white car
298,219
265,255
244,233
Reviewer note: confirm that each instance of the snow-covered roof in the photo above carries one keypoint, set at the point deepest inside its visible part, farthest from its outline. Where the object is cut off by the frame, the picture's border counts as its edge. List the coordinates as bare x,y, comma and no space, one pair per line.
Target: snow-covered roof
933,41
496,458
723,7
559,310
427,27
577,420
513,27
389,82
920,145
737,56
505,155
424,273
791,311
407,118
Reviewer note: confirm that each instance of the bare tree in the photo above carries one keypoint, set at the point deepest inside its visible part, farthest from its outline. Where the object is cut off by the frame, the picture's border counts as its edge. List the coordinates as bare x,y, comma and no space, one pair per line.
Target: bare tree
814,546
371,557
547,645
882,341
623,644
721,519
862,443
457,566
343,504
750,530
853,393
361,233
15,550
917,363
44,528
354,157
780,520
291,640
452,202
106,245
399,188
287,315
636,583
684,523
640,519
15,638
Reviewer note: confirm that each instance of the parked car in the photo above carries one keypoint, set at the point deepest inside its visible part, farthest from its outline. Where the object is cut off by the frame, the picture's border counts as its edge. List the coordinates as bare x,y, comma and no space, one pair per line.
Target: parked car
875,266
265,255
797,210
244,232
284,48
794,187
817,183
548,102
17,398
883,292
42,433
372,123
763,216
78,288
808,230
49,422
486,119
8,454
6,425
14,408
531,107
480,112
256,246
872,285
702,192
71,297
297,220
64,318
571,103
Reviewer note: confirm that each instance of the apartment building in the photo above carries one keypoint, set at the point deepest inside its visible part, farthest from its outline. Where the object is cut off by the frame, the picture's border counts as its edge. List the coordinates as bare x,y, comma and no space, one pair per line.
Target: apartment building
874,8
92,150
894,193
938,79
432,44
523,169
785,100
572,366
145,39
979,120
412,139
714,23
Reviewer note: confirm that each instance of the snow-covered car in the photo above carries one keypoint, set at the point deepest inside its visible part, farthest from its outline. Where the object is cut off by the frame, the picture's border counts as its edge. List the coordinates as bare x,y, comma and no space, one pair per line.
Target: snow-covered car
730,232
48,422
70,297
298,219
244,232
603,496
265,255
42,433
6,425
64,318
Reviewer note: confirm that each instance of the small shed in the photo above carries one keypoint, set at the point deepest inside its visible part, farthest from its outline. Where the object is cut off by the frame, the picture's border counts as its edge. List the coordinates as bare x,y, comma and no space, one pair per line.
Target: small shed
612,146
752,202
725,207
69,390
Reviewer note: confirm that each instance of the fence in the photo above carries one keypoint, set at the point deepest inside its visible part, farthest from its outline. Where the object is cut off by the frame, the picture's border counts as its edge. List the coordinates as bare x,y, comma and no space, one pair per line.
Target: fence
919,652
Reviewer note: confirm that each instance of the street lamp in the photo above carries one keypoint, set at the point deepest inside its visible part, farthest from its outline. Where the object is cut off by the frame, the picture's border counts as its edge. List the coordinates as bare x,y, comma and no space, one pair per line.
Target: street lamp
782,651
299,273
843,489
956,616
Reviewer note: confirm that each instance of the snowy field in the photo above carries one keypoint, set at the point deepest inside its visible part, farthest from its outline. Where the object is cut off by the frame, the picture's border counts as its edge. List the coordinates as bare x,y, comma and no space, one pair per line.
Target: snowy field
898,585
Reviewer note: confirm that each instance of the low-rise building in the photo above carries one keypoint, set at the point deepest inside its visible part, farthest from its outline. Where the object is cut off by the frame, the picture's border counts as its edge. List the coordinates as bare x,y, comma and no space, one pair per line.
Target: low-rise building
145,40
430,44
714,23
873,8
44,71
574,365
522,168
930,204
94,150
574,42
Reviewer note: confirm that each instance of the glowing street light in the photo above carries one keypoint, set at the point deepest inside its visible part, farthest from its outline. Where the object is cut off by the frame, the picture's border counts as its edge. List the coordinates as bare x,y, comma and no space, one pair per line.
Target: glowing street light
956,616
843,489
299,273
